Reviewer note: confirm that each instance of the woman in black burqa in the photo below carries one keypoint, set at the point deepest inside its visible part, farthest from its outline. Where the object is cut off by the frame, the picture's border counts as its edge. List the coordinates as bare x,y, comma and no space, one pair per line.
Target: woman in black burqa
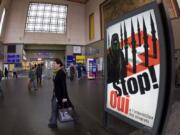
60,97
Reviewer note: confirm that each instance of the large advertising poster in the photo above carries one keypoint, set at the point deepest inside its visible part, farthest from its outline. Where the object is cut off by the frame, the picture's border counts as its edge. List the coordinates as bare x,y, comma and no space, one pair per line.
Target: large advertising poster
133,51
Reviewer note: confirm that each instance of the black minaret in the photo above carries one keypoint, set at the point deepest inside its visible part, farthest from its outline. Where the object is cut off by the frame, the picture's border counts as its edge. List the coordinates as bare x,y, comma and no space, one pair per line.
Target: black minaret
121,33
145,37
108,42
154,39
133,43
126,44
139,33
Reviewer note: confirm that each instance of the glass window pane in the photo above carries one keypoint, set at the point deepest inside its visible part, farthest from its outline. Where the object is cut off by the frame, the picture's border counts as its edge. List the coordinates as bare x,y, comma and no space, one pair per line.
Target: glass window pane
60,28
61,9
40,13
52,26
53,21
30,27
38,27
47,14
39,20
54,14
41,7
62,15
32,13
46,20
55,8
45,28
33,7
31,20
60,21
48,7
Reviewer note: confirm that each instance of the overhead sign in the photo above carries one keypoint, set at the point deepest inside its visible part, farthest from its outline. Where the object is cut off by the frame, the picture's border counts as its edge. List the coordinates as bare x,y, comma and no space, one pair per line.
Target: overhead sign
13,58
71,59
80,59
136,68
76,49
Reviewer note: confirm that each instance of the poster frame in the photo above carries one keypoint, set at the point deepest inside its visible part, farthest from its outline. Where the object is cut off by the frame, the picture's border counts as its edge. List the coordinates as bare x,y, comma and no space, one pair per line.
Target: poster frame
165,96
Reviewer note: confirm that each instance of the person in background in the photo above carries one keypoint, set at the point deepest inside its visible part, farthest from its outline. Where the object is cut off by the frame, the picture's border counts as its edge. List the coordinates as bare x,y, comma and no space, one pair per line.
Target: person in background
1,76
6,73
72,72
14,73
60,94
35,66
84,70
39,74
79,72
32,77
68,72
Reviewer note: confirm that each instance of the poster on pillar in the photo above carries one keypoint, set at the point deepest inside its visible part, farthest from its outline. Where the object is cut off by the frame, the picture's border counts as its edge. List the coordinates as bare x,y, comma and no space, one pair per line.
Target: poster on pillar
134,50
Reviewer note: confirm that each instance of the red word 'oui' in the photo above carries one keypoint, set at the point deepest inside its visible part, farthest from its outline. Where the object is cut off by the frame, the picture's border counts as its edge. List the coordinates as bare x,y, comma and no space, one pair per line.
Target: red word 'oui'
119,102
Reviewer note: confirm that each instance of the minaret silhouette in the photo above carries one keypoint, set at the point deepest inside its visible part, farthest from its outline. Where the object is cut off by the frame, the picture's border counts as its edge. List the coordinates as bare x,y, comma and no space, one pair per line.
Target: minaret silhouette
145,37
124,59
126,44
133,43
121,33
139,33
108,41
154,39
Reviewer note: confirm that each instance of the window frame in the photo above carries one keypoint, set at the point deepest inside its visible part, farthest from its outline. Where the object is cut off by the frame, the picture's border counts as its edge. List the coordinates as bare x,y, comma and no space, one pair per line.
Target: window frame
48,26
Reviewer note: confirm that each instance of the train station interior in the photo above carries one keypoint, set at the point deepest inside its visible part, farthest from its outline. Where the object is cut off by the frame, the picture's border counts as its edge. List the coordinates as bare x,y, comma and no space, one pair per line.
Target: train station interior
35,32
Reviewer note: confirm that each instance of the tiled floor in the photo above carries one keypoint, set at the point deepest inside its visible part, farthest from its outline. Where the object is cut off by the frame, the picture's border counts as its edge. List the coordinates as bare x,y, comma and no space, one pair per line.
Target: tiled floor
27,113
24,112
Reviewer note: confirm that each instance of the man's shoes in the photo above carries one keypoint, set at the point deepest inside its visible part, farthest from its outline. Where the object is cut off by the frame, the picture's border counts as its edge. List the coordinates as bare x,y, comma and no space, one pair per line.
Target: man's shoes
52,126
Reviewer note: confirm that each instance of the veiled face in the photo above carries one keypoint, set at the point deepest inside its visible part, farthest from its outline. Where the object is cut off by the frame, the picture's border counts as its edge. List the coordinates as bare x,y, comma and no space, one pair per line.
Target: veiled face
115,42
115,45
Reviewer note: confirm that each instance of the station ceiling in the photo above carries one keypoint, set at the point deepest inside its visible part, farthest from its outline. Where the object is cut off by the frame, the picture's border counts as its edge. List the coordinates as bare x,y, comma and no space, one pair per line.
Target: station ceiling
79,1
